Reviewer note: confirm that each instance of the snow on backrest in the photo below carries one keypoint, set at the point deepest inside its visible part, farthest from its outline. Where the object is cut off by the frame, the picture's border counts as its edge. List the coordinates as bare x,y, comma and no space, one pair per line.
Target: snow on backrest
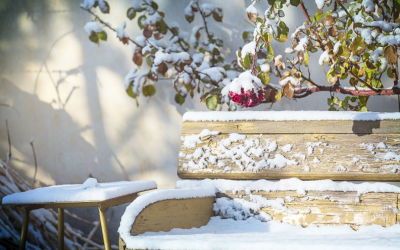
303,144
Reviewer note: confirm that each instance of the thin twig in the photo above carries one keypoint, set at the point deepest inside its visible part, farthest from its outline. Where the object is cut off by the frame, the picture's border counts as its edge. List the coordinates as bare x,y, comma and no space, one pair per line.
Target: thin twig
108,26
303,8
206,28
9,143
34,157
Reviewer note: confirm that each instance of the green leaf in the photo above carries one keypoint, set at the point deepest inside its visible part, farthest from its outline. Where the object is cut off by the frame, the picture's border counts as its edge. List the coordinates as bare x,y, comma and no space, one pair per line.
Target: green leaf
260,20
212,102
391,55
245,35
247,61
140,21
130,92
179,99
269,49
189,17
102,35
227,67
358,46
131,13
149,61
105,8
389,73
363,109
215,51
149,90
93,37
264,77
162,26
269,58
306,58
154,5
330,103
217,17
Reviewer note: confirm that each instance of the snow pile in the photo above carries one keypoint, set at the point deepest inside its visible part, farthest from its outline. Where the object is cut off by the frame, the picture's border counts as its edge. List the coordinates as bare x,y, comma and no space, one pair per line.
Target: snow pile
190,141
288,115
253,234
241,209
133,210
121,31
89,191
92,27
292,184
90,183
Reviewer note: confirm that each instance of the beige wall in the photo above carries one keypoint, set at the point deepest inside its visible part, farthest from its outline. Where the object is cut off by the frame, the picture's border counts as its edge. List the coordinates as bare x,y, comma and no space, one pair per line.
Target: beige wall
68,94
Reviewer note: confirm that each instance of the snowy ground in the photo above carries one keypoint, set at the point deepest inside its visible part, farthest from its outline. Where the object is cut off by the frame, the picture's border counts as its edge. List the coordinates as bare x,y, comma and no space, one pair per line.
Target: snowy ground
254,234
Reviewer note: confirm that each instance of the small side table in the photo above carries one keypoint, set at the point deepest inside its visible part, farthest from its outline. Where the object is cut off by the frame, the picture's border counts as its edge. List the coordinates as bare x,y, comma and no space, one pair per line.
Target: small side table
103,195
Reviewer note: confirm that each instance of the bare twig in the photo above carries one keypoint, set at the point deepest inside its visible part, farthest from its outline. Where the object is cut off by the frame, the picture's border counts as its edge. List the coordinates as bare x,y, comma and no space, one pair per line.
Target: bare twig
34,157
9,144
303,8
206,28
338,89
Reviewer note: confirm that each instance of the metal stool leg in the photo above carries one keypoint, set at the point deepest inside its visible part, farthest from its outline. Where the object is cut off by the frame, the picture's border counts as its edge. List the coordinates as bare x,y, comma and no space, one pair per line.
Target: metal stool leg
61,228
24,230
104,228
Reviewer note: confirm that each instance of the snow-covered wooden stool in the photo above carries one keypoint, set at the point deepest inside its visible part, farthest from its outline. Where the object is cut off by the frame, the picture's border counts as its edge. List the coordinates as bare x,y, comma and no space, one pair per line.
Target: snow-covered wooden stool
90,194
239,208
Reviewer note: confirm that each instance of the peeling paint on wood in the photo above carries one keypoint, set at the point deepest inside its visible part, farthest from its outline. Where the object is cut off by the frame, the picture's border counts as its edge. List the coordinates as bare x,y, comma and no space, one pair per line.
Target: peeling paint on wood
337,157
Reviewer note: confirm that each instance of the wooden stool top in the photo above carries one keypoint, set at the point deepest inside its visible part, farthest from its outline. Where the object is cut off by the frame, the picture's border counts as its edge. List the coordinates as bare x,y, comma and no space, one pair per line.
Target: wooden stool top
89,194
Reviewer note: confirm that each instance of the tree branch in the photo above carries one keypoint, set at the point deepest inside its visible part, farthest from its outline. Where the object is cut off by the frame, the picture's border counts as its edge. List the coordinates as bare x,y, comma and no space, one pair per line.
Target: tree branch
364,82
108,26
9,144
206,28
34,157
337,89
303,8
345,10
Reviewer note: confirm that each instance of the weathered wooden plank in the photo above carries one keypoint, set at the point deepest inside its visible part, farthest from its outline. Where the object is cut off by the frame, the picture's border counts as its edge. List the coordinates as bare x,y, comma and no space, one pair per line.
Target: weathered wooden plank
329,207
312,156
168,214
295,127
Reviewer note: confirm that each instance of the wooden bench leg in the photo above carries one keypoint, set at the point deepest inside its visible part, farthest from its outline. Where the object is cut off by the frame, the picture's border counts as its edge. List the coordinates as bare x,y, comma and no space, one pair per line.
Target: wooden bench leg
104,228
24,230
61,228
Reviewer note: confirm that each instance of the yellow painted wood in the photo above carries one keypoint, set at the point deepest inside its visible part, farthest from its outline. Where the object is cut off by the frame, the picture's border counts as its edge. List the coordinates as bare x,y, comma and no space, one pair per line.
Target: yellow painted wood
24,230
295,127
339,150
61,228
104,228
168,214
330,207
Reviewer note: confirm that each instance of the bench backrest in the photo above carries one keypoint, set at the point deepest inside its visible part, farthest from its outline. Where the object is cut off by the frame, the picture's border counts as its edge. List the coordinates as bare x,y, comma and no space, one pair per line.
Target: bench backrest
277,145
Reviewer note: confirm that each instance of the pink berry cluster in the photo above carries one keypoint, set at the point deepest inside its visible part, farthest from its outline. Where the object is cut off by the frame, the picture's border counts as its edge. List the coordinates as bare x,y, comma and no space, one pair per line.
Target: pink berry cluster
247,99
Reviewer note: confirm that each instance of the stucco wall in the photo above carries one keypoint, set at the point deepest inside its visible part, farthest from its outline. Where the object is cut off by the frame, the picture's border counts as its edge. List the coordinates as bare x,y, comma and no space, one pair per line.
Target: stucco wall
68,94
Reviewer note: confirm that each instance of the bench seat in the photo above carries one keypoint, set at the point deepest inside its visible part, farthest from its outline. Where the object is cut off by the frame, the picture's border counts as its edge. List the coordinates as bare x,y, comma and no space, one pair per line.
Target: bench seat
253,234
234,214
228,197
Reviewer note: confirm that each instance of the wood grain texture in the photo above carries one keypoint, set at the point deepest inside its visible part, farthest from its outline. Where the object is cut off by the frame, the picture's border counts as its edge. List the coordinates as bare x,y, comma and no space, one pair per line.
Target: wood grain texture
334,151
330,207
296,127
168,214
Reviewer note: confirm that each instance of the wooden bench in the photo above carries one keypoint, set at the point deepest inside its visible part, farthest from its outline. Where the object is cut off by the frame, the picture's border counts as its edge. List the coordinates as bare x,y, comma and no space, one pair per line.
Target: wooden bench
240,151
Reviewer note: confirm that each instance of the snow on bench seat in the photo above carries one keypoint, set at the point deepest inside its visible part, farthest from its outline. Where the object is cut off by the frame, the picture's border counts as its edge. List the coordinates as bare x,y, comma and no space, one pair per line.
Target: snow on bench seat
253,234
256,214
89,191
